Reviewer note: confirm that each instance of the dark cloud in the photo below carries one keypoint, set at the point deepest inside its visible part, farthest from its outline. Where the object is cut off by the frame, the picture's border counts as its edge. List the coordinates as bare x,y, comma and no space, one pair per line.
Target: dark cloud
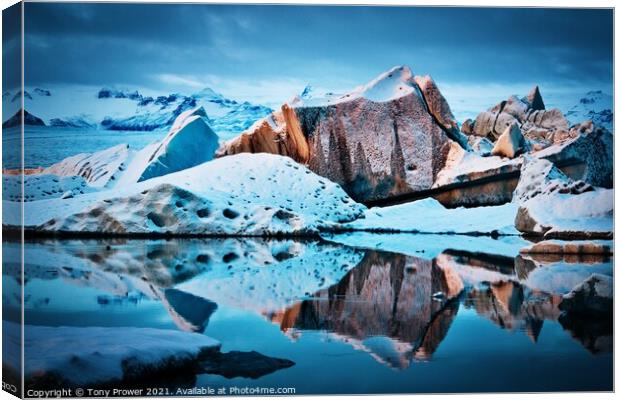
134,44
11,47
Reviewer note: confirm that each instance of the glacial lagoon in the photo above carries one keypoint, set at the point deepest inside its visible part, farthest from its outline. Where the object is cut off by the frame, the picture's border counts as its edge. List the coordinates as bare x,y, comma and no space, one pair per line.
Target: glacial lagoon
46,145
322,317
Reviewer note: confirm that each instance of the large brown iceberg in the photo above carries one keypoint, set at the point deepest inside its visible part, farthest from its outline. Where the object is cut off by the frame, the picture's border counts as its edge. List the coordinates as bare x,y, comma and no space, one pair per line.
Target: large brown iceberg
386,138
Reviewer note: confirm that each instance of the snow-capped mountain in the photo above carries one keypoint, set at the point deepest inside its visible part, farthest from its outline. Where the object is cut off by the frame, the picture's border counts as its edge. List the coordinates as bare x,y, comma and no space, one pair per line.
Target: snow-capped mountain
114,109
596,106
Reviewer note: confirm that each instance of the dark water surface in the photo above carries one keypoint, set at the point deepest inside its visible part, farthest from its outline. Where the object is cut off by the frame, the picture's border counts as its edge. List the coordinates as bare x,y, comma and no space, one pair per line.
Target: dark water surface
46,145
351,320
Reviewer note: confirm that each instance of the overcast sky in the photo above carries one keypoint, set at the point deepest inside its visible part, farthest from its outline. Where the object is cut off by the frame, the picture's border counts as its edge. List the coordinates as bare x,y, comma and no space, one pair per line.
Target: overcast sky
269,51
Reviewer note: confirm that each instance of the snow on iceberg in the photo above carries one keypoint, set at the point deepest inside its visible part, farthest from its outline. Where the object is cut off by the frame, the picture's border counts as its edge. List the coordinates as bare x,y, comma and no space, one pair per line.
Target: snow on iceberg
43,186
392,84
429,216
587,215
96,355
556,206
189,142
267,195
100,169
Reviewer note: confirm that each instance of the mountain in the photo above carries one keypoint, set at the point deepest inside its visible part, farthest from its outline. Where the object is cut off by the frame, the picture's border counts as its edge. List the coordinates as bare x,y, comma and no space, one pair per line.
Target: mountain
17,96
596,106
116,109
78,121
227,117
29,119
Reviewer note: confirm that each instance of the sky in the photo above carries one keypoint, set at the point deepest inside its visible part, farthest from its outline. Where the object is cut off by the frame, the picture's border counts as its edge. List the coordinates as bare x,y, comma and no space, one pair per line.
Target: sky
269,53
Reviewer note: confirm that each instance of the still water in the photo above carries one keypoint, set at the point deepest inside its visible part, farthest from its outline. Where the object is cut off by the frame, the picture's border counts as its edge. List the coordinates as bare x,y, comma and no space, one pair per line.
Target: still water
44,146
347,320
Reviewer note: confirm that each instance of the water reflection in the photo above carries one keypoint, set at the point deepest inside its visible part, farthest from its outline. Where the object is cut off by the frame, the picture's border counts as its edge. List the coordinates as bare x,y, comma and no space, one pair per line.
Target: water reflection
388,305
397,309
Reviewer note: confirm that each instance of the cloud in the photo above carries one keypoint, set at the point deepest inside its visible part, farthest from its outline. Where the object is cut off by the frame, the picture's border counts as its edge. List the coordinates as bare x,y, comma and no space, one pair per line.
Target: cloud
180,81
271,52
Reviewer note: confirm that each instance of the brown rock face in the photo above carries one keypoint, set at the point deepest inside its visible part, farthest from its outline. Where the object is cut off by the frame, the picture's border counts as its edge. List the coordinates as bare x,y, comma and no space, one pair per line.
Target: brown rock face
280,133
375,150
542,127
386,138
440,110
468,127
510,143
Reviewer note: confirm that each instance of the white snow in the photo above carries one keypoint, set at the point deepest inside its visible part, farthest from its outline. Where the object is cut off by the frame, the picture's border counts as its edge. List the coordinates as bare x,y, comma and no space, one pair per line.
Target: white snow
265,194
596,106
462,165
589,212
137,164
99,169
395,83
429,216
184,117
39,187
91,355
538,176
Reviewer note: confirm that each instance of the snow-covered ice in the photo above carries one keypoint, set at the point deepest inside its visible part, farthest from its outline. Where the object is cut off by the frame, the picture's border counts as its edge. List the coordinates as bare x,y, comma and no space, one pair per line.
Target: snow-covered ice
189,142
392,84
115,109
99,169
429,216
96,355
596,106
279,196
589,213
44,186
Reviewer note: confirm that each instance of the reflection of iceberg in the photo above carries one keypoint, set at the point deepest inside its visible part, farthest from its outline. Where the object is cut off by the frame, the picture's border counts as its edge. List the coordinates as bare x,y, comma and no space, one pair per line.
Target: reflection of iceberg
190,313
266,276
476,268
127,270
523,297
595,334
259,274
386,306
512,306
561,276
